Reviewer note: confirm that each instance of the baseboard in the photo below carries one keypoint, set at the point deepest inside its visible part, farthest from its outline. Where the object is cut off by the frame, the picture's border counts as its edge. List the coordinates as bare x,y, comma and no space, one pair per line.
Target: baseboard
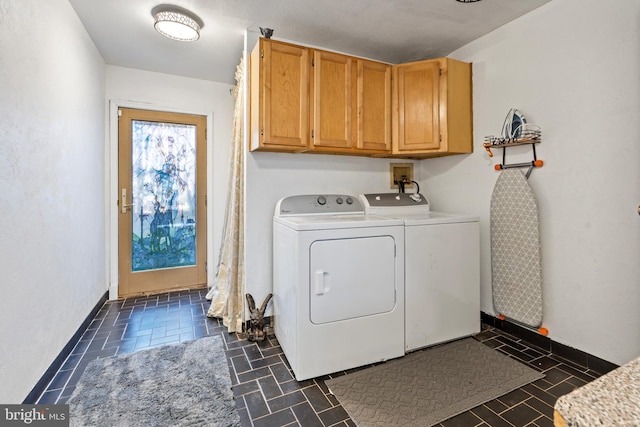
545,343
51,371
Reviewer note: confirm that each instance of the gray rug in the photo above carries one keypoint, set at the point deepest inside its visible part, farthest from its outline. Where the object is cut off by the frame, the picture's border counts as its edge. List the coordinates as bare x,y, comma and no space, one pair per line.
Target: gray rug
429,386
185,384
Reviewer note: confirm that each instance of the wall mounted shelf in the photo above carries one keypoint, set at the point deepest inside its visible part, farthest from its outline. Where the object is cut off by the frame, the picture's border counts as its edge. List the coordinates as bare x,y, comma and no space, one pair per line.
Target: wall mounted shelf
531,139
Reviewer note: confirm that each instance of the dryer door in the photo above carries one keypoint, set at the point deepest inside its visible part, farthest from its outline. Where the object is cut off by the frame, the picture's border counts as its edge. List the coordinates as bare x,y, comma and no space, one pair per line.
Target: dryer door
351,277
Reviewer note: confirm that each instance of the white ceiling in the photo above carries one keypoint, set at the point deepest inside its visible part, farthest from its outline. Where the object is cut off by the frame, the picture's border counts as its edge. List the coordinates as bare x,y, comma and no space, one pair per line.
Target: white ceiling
392,31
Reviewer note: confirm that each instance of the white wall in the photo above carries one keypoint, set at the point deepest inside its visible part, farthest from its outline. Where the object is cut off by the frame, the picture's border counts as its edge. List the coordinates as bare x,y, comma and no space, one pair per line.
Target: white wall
52,242
156,91
573,68
271,176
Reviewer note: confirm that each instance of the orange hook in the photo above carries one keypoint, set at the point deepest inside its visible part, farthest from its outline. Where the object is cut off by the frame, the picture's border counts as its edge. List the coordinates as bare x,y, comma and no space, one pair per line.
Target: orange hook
487,147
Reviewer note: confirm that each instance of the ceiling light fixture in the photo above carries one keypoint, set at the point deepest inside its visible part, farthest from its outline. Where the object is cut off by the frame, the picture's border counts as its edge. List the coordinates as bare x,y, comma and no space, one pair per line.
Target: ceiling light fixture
176,23
467,1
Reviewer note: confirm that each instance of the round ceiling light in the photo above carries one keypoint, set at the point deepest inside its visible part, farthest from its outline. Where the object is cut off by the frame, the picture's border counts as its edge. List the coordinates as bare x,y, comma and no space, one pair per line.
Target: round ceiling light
176,25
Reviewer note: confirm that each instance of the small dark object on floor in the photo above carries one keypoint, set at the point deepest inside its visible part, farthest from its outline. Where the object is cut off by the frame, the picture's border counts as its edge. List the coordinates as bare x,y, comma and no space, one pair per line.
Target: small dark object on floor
256,330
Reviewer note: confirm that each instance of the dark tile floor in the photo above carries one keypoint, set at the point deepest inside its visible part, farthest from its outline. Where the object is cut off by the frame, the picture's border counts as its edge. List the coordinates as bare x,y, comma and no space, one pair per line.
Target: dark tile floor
266,392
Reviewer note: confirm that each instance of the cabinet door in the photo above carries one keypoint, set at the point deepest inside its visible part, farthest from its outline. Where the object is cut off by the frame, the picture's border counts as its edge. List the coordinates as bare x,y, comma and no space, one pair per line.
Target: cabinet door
280,96
457,109
418,107
373,106
331,100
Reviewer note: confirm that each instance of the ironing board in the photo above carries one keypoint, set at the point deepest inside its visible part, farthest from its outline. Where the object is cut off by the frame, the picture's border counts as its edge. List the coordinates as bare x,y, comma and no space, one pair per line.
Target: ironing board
515,249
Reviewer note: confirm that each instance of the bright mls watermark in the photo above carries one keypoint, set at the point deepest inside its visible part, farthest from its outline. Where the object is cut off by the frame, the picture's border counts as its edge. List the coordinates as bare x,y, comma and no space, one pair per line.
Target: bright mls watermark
34,415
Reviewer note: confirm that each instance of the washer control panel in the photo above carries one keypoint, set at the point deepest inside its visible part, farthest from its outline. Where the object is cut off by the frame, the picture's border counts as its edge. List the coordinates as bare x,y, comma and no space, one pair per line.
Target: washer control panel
395,199
318,204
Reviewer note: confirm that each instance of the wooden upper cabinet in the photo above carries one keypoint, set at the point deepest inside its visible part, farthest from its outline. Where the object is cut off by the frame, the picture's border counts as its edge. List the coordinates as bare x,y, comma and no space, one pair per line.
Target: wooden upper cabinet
310,100
350,105
279,100
432,108
418,105
331,100
373,107
458,113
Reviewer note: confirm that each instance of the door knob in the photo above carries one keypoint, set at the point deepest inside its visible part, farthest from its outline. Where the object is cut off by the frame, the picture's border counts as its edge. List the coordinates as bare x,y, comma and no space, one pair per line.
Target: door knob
123,200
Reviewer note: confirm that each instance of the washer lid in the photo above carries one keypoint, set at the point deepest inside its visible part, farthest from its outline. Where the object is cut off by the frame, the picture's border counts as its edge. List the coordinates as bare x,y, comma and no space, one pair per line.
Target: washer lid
427,218
337,221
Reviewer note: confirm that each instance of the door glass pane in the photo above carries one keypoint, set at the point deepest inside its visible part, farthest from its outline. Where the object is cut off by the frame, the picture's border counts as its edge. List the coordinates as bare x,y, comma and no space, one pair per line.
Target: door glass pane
163,159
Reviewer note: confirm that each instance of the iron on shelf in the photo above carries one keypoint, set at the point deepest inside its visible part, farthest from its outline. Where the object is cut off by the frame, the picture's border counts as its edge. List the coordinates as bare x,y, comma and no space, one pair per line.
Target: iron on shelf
515,131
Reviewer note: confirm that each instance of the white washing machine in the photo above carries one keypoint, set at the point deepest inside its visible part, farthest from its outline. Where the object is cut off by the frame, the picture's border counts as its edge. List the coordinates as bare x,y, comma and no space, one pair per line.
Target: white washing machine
442,268
338,284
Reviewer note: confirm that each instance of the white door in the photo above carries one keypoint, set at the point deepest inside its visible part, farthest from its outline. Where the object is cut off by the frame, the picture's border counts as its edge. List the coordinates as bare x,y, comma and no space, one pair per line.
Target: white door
351,277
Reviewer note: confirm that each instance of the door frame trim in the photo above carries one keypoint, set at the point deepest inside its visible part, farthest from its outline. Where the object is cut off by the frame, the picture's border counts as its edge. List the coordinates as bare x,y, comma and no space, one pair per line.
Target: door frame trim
111,184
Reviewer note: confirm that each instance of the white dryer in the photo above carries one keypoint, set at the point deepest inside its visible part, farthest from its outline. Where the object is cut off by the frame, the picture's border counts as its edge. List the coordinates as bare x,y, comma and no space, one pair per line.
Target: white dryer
338,284
442,268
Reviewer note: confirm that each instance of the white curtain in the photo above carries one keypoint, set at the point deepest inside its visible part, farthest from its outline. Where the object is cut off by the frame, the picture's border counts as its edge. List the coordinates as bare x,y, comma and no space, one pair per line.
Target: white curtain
227,292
